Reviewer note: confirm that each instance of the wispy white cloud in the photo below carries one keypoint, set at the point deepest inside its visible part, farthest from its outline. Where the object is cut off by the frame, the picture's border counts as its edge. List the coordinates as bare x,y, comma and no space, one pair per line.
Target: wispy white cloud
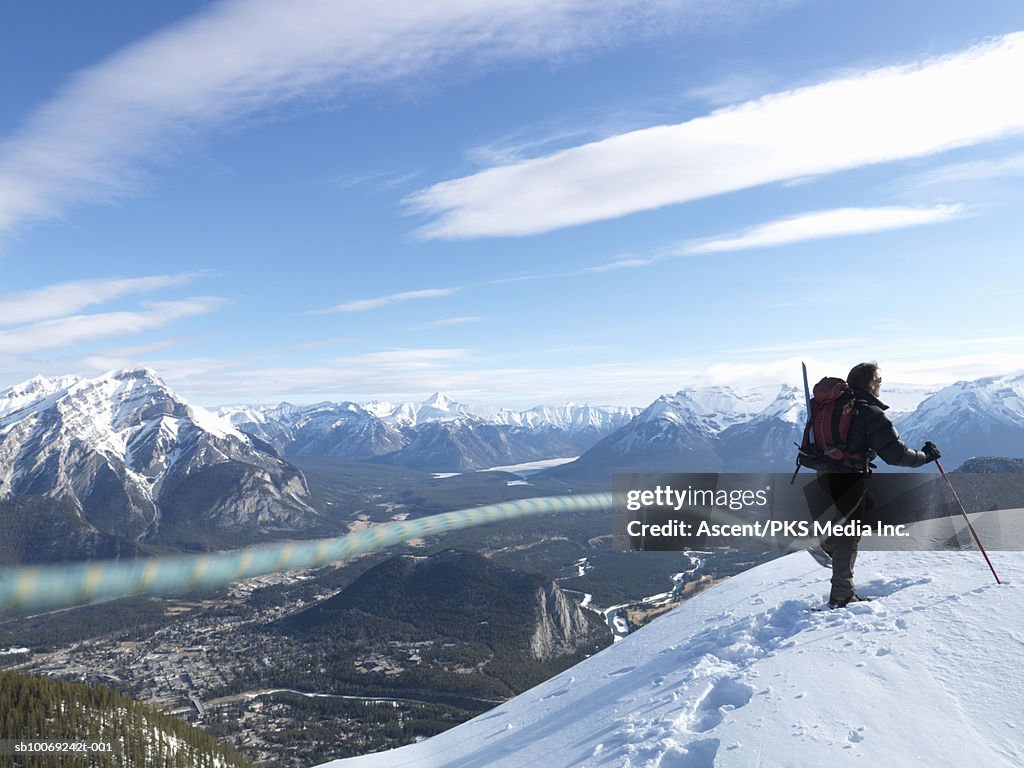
623,264
729,89
446,322
872,117
136,351
799,346
323,343
470,379
235,58
526,143
62,299
103,360
80,329
838,222
379,180
930,369
409,359
362,305
978,170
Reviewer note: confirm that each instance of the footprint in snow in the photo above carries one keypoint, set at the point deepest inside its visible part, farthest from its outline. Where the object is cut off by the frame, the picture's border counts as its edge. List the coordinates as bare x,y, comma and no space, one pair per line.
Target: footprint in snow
886,587
724,696
696,754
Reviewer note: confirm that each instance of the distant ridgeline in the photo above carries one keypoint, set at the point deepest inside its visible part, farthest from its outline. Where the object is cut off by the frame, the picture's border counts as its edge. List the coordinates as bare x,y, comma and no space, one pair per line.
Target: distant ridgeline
41,709
992,465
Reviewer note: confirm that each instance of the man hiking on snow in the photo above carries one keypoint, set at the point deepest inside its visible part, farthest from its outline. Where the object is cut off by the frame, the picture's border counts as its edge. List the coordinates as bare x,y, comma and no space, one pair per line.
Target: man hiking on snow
871,434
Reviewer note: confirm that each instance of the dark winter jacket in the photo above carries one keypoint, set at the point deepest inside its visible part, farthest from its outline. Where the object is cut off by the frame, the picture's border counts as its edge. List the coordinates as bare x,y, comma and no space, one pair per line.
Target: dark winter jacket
871,434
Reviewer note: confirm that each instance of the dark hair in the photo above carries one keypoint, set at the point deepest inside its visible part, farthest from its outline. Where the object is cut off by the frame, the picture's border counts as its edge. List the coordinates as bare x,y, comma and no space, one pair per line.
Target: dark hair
861,375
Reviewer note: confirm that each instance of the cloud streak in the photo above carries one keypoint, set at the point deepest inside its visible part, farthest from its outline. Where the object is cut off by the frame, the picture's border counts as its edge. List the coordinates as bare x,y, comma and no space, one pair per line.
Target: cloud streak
878,116
839,222
362,305
445,323
67,298
816,225
978,170
81,329
236,58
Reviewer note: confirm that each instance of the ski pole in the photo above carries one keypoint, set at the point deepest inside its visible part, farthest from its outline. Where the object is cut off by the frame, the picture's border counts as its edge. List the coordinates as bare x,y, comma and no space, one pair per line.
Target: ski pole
964,511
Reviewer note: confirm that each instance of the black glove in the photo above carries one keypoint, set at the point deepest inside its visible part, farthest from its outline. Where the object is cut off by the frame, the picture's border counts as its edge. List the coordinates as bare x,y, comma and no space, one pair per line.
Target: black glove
930,451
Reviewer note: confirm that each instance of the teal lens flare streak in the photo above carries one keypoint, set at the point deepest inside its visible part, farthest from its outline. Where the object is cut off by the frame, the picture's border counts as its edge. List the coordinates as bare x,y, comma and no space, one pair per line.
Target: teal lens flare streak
35,588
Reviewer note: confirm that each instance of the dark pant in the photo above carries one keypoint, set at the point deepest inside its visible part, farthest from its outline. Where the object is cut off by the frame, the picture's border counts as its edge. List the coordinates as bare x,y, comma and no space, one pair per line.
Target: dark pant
853,502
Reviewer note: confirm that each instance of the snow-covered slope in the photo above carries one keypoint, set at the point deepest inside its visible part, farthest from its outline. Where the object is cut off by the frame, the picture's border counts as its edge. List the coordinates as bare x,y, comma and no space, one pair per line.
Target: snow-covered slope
746,674
971,418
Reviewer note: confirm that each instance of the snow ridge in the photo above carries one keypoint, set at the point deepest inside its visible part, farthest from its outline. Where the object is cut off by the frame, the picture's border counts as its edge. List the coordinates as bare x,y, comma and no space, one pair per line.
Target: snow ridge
748,673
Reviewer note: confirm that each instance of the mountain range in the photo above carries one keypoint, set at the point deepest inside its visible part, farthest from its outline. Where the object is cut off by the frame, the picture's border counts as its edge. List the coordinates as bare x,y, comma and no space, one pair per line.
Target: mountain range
438,435
121,462
716,429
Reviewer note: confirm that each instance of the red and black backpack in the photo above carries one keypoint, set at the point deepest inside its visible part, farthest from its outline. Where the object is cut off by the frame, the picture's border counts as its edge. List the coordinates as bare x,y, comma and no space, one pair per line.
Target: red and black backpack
827,431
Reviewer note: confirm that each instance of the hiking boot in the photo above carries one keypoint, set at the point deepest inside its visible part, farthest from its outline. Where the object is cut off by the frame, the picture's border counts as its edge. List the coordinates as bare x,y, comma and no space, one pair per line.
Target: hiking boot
854,598
822,557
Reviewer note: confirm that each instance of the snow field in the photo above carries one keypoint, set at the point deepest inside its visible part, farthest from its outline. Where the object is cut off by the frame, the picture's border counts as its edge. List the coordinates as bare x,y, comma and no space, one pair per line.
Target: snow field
748,673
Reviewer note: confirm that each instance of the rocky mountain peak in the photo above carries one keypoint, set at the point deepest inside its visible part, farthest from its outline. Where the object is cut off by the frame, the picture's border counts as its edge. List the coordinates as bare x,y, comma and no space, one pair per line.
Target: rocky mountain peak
118,449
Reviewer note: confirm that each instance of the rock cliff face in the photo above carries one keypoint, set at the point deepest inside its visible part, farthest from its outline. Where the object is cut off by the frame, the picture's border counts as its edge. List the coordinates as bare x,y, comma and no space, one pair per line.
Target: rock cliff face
561,625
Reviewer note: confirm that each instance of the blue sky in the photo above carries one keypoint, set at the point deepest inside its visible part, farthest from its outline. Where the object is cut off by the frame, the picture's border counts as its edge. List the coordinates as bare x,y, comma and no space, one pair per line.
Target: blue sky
515,201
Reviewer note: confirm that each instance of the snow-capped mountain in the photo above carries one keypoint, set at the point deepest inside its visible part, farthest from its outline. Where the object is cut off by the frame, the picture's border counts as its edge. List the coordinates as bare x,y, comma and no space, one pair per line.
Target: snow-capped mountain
765,442
719,407
694,430
571,418
984,417
342,431
135,436
437,407
437,434
269,424
135,460
716,429
748,674
470,444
